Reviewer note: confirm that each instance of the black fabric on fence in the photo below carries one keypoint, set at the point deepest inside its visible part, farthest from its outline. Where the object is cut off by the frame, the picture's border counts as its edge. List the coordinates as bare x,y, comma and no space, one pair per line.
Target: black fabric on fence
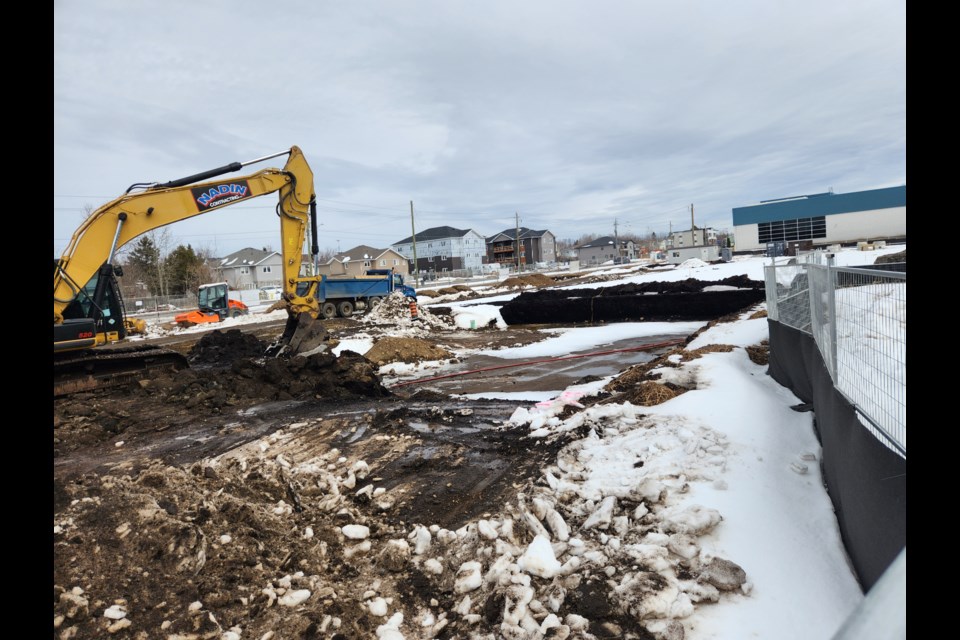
866,480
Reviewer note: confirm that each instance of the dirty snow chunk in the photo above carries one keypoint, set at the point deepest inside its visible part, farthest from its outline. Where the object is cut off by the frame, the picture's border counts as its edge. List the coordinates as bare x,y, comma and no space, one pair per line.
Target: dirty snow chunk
422,538
433,566
360,469
355,531
651,555
115,612
377,607
558,525
468,577
666,629
695,520
391,630
700,591
683,545
576,623
487,530
356,549
293,598
647,602
308,533
119,625
723,574
225,539
539,559
602,516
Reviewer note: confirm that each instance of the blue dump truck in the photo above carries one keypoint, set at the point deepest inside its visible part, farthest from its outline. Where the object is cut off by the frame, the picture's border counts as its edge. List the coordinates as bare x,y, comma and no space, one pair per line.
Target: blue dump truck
343,296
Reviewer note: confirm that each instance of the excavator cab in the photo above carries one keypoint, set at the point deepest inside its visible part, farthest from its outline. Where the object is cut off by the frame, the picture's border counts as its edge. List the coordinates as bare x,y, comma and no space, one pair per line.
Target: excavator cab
213,298
214,305
95,315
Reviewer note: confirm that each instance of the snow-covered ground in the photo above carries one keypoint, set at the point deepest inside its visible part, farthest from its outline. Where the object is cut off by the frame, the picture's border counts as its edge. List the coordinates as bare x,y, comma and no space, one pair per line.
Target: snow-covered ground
715,494
731,472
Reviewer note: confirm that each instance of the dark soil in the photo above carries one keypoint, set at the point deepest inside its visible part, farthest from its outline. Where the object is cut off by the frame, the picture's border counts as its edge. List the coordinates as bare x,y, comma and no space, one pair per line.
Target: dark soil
650,301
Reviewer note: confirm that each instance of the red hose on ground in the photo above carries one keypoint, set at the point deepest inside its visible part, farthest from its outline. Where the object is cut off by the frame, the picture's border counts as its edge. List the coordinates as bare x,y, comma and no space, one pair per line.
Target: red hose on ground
644,347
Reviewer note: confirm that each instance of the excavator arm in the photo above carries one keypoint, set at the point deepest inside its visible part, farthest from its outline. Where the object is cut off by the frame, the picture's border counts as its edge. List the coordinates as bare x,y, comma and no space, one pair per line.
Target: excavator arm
148,206
118,222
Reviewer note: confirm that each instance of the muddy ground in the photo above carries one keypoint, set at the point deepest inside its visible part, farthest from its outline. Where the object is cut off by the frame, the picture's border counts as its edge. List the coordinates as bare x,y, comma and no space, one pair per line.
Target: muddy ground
295,497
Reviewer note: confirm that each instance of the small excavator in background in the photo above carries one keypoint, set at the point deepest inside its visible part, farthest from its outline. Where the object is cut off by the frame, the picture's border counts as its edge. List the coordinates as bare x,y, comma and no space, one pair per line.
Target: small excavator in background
215,304
90,324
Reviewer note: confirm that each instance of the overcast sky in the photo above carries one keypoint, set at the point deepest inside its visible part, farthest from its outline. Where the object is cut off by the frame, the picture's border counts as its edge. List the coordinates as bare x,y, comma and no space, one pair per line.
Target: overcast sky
573,115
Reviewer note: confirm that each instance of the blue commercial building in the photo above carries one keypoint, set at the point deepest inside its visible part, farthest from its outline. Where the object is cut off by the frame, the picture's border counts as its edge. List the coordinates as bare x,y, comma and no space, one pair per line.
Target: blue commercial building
823,219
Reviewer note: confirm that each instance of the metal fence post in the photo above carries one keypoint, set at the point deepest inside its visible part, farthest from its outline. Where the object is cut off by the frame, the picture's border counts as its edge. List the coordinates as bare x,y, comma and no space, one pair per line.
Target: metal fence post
832,314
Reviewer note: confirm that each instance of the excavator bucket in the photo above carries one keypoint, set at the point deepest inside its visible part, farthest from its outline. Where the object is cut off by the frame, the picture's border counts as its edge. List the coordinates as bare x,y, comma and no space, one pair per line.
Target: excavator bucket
303,334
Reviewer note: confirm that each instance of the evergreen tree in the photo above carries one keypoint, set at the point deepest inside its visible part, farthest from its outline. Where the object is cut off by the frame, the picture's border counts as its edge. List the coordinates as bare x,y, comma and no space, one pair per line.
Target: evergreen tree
186,270
145,258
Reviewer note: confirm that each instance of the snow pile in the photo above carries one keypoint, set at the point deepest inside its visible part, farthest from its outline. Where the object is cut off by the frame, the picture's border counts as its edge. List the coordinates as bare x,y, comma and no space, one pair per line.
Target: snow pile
478,317
395,309
692,263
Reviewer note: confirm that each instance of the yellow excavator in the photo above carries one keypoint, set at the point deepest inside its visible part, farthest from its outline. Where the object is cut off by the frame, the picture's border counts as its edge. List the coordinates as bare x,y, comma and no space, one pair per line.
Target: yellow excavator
89,321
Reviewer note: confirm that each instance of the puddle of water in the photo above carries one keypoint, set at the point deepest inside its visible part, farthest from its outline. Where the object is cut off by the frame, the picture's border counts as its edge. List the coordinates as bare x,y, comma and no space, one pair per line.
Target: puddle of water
269,407
422,427
551,376
359,434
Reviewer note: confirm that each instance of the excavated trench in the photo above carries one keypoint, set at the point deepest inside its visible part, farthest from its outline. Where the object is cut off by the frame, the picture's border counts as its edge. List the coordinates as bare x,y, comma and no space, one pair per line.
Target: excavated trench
650,302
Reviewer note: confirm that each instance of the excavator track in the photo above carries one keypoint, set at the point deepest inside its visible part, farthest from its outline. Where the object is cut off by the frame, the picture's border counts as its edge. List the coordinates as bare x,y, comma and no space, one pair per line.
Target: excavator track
91,369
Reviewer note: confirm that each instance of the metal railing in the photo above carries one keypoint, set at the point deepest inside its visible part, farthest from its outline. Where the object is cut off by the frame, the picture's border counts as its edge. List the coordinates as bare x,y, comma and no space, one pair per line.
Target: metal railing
858,318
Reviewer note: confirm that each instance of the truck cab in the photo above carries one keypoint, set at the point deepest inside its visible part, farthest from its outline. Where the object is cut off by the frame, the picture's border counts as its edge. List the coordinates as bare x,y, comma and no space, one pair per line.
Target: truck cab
397,284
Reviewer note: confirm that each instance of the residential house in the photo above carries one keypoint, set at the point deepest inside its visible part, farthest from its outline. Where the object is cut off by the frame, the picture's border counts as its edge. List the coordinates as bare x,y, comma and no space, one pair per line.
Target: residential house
698,237
356,261
251,269
606,249
534,246
443,249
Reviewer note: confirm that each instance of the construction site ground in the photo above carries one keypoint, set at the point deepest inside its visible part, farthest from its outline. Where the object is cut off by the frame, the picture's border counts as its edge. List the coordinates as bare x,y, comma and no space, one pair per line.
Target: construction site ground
285,498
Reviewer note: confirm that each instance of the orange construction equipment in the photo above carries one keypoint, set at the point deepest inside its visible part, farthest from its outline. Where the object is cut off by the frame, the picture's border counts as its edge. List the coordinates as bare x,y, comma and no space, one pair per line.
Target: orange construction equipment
215,306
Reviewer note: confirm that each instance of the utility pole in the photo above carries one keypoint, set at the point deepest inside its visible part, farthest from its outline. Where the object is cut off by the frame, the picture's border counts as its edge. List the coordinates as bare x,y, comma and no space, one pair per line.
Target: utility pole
517,214
413,237
693,228
616,238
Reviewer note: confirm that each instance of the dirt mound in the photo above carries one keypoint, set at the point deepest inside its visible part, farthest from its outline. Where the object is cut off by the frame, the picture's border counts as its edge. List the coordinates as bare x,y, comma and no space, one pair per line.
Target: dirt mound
892,258
530,280
759,353
225,346
389,350
89,418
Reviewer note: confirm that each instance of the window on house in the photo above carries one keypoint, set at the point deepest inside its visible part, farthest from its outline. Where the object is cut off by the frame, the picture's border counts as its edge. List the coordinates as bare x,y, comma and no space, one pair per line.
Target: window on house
266,270
366,263
383,263
244,270
429,245
396,262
